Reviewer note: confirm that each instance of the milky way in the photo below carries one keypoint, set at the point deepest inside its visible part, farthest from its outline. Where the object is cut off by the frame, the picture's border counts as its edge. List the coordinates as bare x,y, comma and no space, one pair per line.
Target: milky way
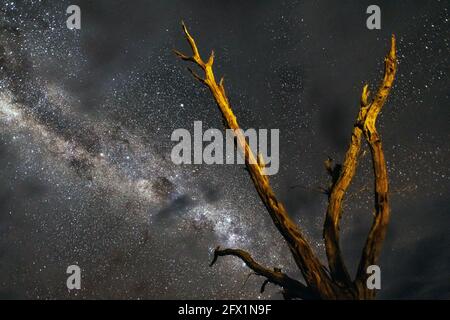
85,123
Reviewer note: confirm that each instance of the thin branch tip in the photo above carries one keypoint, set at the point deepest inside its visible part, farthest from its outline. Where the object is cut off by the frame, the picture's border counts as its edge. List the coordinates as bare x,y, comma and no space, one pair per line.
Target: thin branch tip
393,50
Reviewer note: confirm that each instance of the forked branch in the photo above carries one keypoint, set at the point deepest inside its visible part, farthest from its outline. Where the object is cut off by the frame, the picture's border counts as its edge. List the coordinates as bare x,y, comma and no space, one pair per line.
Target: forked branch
364,125
372,248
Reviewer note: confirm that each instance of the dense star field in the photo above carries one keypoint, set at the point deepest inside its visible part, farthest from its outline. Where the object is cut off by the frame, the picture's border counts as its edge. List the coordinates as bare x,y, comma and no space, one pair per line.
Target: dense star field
86,117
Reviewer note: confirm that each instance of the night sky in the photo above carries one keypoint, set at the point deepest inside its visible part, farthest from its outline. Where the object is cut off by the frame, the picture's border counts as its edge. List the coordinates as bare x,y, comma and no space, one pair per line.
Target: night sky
86,118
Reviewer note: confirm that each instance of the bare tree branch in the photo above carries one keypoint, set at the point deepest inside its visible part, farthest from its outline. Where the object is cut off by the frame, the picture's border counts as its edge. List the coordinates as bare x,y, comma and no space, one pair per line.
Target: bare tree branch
311,268
275,276
372,248
334,211
365,124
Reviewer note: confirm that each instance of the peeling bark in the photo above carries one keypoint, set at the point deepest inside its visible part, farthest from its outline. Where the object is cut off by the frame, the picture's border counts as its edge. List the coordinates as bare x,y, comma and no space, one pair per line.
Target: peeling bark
321,283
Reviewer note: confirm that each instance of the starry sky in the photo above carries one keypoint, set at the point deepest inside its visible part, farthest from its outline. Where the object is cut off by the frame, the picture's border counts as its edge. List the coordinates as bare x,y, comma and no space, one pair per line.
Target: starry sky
85,123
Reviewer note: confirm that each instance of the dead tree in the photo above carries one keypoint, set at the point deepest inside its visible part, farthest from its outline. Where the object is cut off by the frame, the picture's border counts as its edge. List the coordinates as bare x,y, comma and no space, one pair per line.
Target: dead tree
322,282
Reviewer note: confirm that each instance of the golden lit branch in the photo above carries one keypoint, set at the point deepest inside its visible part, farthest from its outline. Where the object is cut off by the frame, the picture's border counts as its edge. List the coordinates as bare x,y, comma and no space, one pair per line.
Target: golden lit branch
336,197
365,123
314,273
372,248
